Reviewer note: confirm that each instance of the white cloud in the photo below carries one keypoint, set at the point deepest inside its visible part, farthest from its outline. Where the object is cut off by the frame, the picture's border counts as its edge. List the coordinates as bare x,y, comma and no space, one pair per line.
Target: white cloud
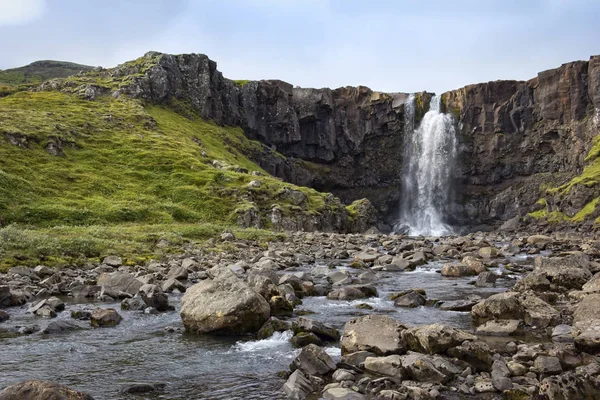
18,12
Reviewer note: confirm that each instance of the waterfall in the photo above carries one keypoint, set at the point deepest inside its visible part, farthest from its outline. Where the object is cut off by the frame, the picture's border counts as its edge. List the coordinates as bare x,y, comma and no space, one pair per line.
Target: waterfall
428,159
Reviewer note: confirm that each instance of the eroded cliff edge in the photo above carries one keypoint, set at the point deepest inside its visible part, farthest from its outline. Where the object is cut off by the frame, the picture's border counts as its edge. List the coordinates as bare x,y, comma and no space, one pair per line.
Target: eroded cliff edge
521,142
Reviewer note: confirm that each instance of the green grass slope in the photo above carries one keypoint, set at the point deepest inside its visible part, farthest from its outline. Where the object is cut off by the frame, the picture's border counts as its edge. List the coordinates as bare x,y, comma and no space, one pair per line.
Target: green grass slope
40,71
85,178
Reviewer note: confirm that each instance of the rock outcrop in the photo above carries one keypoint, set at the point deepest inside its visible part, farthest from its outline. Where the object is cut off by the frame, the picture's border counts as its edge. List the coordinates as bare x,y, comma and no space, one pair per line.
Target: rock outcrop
517,138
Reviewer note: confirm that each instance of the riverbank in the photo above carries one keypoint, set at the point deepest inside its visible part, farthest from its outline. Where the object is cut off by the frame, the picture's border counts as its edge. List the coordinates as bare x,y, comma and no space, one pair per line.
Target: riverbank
331,279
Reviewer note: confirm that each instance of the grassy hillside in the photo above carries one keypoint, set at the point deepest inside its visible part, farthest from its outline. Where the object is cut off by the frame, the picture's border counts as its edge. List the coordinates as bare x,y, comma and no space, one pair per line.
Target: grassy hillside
40,71
89,178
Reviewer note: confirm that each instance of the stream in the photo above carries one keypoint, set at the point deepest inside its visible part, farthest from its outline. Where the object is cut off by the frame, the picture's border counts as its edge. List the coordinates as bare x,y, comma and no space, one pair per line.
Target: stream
104,361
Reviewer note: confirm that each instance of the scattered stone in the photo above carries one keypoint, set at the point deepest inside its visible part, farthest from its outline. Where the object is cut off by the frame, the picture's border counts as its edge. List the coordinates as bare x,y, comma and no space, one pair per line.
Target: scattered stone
313,360
41,390
375,333
107,317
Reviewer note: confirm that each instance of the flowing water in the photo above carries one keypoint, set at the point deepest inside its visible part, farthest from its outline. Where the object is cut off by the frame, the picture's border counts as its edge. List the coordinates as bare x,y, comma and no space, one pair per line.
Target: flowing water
429,157
103,361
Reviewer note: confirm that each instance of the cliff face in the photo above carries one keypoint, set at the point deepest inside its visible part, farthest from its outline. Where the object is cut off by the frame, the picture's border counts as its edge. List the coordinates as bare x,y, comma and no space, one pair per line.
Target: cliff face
521,138
517,138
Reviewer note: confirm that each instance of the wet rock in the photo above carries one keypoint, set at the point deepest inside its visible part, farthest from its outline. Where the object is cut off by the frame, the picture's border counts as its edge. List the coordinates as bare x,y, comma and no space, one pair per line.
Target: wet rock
303,339
460,305
45,312
141,388
375,333
346,293
271,326
456,269
434,339
516,369
313,360
388,366
339,278
411,299
83,315
298,386
41,390
133,304
120,282
323,331
586,335
61,326
486,279
4,316
154,297
224,305
107,317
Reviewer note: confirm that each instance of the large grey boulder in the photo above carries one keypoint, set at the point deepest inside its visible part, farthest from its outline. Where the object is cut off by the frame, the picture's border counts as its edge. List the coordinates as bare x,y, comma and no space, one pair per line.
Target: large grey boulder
387,366
313,360
586,324
298,386
120,282
224,305
557,274
570,386
41,390
434,339
378,334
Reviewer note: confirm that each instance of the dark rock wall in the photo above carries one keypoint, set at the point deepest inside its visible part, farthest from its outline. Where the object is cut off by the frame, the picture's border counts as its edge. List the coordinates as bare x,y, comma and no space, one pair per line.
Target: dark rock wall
516,137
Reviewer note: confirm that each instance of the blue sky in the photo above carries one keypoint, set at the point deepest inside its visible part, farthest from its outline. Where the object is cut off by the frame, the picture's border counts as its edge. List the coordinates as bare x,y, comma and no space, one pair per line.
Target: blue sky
388,45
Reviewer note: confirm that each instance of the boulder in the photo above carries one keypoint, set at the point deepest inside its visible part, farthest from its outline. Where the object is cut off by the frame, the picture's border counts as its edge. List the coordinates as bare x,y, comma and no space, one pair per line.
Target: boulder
488,252
107,317
303,339
113,261
120,282
179,273
4,316
512,305
153,296
586,335
501,327
411,299
224,305
271,326
420,368
460,305
569,386
486,279
341,393
313,360
475,353
41,390
539,240
378,334
357,358
298,386
547,365
434,339
387,366
346,293
558,274
61,326
323,331
456,269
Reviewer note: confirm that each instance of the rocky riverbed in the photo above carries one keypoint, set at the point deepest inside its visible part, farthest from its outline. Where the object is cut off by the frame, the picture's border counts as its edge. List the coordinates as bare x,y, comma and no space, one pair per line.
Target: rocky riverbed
314,316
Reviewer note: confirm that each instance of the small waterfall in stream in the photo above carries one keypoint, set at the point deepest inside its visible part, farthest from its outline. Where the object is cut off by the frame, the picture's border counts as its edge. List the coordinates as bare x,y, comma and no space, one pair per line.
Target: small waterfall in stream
429,157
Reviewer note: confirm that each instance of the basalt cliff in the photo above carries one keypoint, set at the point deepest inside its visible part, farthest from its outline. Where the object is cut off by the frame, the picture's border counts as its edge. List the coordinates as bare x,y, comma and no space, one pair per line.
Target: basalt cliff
526,148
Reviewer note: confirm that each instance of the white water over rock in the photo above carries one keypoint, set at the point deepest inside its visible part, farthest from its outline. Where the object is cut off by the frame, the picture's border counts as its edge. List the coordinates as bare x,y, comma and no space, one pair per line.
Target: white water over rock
429,157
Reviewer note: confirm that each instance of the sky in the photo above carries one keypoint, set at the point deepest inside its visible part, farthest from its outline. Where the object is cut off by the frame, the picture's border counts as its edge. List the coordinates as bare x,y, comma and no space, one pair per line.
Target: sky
387,45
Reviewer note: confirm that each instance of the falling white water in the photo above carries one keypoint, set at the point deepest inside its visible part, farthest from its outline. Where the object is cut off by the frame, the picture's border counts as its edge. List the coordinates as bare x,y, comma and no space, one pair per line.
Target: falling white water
429,156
